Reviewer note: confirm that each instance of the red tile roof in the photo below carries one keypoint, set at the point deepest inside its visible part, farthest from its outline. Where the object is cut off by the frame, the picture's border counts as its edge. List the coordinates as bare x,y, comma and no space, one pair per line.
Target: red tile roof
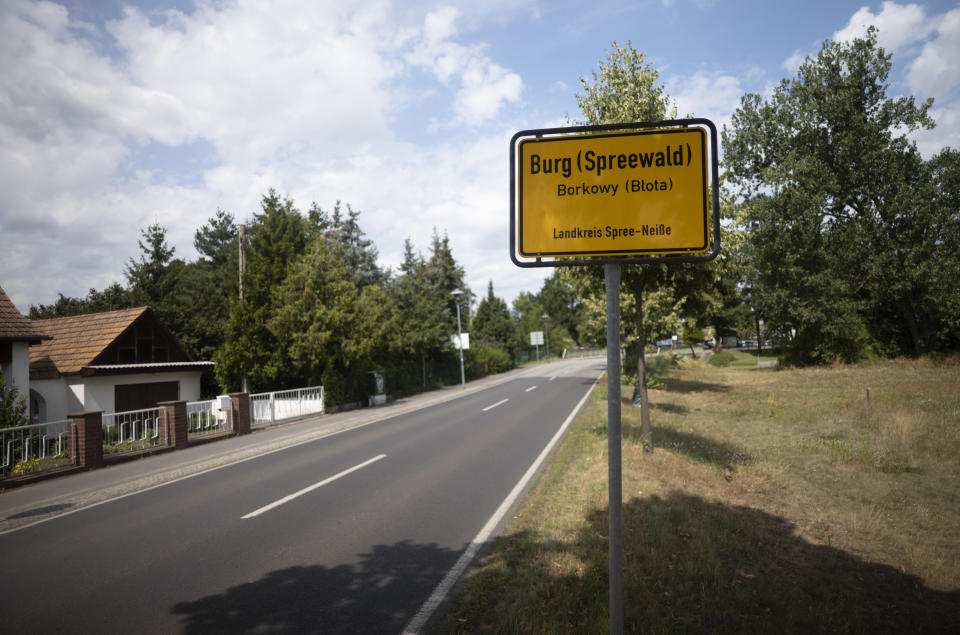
14,326
79,339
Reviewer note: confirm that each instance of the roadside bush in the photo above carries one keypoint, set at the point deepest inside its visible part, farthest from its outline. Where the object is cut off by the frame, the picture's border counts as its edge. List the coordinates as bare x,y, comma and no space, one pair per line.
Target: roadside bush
13,405
722,359
483,356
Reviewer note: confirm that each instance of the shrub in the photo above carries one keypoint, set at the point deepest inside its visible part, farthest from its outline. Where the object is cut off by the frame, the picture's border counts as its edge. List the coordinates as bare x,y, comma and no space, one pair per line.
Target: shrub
486,356
13,405
722,359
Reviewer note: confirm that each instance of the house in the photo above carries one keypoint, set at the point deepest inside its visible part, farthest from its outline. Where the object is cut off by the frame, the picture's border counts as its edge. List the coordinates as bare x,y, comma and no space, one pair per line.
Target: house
110,362
17,334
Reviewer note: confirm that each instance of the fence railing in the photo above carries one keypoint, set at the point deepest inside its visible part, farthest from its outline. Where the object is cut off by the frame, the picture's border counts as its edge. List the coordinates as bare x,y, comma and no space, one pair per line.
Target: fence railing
267,408
574,353
133,430
35,448
205,418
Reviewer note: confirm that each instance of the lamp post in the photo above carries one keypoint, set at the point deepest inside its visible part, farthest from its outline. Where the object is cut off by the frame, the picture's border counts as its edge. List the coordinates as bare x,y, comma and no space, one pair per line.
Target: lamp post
456,294
547,332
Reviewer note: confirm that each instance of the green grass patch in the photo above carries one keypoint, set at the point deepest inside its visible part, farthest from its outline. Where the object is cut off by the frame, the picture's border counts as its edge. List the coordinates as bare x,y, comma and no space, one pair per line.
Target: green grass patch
774,500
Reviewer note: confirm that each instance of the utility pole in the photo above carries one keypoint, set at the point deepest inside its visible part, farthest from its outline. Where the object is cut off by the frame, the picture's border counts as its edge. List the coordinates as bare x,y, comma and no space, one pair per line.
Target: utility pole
546,332
463,379
242,242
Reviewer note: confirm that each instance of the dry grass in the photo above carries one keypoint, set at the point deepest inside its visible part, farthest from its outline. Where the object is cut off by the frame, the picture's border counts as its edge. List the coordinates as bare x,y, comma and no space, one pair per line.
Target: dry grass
841,513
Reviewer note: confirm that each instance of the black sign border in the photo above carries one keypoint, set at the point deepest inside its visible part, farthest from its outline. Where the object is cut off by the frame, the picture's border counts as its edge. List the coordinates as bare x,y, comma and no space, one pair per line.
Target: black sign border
592,259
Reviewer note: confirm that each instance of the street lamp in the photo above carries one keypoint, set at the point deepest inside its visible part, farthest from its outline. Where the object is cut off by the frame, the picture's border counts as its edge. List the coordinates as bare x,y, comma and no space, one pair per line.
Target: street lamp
547,332
456,294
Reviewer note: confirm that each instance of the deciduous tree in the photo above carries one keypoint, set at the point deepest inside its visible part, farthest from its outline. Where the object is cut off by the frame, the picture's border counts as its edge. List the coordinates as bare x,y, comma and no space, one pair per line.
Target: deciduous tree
845,219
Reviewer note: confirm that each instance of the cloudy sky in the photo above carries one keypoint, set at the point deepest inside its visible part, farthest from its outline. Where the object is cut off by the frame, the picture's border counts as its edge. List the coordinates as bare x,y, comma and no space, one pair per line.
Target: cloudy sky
115,114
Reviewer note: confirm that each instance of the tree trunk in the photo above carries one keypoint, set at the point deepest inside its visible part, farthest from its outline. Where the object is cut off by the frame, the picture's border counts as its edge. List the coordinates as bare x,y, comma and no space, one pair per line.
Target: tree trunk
906,309
759,338
646,431
423,368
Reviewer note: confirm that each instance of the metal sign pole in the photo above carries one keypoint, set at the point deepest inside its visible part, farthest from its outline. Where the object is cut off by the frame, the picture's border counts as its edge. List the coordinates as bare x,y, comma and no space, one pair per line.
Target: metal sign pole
615,487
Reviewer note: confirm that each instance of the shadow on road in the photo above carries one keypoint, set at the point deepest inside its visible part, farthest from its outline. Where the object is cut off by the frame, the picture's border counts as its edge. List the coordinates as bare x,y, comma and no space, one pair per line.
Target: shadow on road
380,594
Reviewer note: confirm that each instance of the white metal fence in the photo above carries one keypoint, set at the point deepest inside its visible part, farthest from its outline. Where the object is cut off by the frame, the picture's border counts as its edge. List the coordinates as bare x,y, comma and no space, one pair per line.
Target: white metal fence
267,408
35,448
205,418
133,430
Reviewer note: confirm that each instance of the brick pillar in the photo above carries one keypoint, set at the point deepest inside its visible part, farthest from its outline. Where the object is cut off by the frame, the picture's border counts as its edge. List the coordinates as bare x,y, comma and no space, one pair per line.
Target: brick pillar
240,412
86,438
176,423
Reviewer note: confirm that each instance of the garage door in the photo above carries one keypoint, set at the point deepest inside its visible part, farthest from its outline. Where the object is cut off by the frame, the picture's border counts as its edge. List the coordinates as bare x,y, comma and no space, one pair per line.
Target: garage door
140,396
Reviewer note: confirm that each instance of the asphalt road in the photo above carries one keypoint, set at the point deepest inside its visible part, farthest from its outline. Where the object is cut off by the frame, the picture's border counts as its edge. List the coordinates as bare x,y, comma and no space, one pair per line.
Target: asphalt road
345,533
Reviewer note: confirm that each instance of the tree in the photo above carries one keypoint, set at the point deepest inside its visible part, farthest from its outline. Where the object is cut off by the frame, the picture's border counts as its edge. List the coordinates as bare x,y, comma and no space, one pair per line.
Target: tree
207,288
692,334
559,300
844,218
278,236
492,323
112,298
422,316
445,275
359,252
216,241
150,278
324,331
625,90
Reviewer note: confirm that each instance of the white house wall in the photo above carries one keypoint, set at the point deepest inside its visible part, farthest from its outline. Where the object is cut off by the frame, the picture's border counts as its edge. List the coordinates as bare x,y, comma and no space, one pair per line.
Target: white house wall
92,394
56,397
17,371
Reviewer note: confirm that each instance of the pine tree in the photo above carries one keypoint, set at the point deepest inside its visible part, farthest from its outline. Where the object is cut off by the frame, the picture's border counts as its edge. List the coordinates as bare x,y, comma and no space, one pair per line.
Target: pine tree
278,236
492,323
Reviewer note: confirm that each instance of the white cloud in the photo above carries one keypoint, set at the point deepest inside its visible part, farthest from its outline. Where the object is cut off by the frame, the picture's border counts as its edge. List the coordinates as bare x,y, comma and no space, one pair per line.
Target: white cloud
792,63
710,94
935,71
484,85
898,25
299,97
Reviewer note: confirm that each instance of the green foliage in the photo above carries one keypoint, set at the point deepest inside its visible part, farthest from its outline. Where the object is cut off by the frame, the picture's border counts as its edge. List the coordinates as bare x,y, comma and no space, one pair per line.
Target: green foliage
150,278
13,405
625,90
444,275
848,228
112,298
421,327
722,359
493,325
278,236
359,252
325,332
483,358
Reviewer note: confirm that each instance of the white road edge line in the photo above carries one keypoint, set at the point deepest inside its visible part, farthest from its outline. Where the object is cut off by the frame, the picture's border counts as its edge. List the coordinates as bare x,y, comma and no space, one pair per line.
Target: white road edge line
530,388
446,585
306,490
552,378
499,403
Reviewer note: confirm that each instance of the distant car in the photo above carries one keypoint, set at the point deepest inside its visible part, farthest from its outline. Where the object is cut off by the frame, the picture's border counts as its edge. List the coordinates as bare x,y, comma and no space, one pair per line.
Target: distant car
749,343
